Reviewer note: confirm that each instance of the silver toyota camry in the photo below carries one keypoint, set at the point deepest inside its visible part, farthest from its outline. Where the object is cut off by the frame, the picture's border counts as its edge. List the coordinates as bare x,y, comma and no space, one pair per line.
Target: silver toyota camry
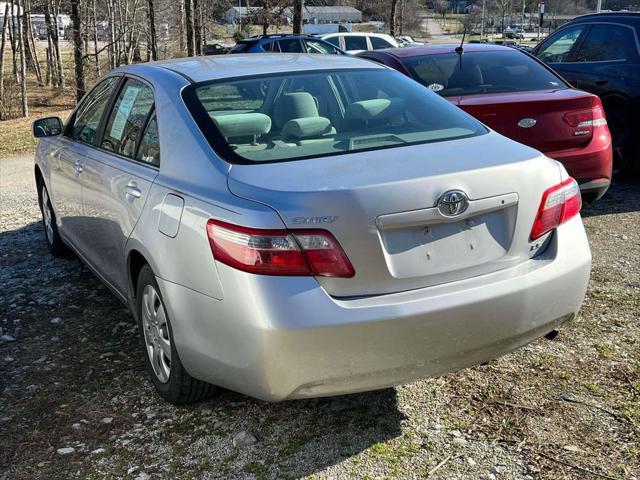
293,226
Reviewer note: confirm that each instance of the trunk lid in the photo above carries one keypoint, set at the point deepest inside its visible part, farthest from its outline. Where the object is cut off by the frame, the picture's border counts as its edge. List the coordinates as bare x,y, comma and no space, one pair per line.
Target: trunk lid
381,206
503,111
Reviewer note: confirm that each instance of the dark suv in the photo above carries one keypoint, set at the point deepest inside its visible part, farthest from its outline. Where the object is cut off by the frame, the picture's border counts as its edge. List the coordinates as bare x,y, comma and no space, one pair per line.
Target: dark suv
600,53
286,44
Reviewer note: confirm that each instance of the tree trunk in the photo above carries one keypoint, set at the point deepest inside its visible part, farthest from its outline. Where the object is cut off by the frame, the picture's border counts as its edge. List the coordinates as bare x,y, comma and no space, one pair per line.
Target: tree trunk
55,10
197,30
14,43
392,18
3,43
153,42
298,5
94,26
23,66
77,50
29,42
112,34
181,26
189,27
51,66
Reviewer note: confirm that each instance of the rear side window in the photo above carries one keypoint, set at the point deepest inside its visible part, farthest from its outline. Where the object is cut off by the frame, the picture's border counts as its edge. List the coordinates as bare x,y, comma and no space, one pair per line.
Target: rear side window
355,43
128,118
149,149
316,46
377,43
558,49
320,113
87,118
607,43
290,46
499,71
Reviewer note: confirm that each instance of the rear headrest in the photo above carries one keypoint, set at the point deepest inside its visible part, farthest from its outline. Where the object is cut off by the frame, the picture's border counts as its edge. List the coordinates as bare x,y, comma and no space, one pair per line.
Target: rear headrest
294,105
306,127
242,124
376,109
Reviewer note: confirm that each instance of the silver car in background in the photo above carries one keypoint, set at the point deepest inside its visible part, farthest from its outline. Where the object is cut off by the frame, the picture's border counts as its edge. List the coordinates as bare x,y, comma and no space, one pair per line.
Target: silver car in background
292,226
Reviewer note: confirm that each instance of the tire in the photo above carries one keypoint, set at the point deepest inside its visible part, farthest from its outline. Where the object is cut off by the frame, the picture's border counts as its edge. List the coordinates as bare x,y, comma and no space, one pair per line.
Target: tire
170,379
51,235
625,161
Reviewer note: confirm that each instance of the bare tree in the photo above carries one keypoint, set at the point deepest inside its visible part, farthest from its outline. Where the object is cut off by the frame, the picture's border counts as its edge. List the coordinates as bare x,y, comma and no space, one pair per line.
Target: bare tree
77,49
153,41
392,18
188,19
2,47
298,5
197,27
23,64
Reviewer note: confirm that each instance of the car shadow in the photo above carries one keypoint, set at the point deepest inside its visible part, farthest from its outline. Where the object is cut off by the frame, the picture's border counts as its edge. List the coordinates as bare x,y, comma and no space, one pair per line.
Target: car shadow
622,196
76,358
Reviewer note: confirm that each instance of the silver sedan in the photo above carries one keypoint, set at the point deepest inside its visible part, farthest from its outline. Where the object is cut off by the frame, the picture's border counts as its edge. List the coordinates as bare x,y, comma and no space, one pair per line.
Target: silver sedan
293,226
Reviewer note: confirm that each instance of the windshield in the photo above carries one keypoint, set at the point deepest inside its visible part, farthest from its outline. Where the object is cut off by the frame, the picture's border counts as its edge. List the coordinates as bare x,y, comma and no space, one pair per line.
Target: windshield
471,73
320,113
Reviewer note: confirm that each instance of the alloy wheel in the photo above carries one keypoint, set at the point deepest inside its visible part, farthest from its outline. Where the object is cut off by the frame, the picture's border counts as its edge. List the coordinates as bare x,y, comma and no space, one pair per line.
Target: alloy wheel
157,336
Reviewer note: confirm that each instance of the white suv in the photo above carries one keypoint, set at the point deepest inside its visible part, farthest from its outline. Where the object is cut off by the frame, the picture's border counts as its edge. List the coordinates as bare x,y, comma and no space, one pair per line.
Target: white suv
355,42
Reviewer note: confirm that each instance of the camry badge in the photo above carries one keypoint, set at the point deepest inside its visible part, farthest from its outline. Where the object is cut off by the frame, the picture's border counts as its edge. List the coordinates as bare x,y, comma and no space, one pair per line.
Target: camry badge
527,122
452,203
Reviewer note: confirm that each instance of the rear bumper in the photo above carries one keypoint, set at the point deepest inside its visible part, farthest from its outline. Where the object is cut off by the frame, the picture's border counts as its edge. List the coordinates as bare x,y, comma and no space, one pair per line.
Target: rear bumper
591,166
280,337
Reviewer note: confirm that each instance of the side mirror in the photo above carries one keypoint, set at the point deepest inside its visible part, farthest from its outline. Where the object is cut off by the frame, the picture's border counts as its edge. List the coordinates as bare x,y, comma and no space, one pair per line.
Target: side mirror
47,127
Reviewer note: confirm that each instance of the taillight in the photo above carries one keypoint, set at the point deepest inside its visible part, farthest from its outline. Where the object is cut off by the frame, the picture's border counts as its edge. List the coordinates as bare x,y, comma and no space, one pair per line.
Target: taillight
278,252
587,118
559,203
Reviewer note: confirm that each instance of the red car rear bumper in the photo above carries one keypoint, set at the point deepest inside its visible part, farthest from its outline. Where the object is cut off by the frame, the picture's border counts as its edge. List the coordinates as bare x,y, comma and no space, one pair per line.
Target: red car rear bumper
590,165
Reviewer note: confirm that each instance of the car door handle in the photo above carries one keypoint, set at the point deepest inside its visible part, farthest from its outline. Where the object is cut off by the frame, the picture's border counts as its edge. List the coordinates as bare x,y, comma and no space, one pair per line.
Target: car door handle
132,190
601,81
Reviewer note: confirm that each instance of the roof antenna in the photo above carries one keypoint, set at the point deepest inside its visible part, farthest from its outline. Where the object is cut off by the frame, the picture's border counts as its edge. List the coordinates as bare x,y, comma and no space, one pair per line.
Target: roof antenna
460,49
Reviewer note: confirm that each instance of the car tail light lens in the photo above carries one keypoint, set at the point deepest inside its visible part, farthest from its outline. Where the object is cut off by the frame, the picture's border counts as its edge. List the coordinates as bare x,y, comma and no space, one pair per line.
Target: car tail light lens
559,203
278,252
587,118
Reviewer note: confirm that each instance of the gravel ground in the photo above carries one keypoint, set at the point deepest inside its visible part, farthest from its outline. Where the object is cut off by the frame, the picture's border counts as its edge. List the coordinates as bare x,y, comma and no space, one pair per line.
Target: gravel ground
75,401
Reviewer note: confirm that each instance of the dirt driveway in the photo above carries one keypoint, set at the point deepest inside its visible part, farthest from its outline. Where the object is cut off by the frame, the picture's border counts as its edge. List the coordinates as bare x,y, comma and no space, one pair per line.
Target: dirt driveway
75,401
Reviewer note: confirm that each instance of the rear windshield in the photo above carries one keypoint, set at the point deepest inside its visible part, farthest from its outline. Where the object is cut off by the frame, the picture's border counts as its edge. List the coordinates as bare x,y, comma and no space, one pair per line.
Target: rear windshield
473,73
294,116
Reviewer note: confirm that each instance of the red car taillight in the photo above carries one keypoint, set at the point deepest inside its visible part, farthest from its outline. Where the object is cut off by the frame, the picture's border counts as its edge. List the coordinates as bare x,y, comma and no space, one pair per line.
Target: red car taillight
278,252
559,203
587,118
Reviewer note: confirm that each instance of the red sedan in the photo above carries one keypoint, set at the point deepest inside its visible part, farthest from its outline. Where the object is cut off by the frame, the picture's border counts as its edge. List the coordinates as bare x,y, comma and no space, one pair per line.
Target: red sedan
518,96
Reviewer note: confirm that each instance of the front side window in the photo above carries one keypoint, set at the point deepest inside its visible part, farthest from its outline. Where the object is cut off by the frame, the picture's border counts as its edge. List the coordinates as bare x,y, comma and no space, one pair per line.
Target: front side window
86,120
355,43
314,114
377,43
558,50
608,43
128,118
499,71
333,41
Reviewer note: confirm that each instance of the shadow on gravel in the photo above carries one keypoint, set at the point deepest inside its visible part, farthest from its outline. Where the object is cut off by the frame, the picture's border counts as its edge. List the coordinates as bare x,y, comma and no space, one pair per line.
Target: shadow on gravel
622,196
72,376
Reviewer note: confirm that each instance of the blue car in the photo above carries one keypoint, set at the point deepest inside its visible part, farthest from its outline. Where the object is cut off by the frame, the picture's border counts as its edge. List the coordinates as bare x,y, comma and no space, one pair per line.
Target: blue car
286,44
600,53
